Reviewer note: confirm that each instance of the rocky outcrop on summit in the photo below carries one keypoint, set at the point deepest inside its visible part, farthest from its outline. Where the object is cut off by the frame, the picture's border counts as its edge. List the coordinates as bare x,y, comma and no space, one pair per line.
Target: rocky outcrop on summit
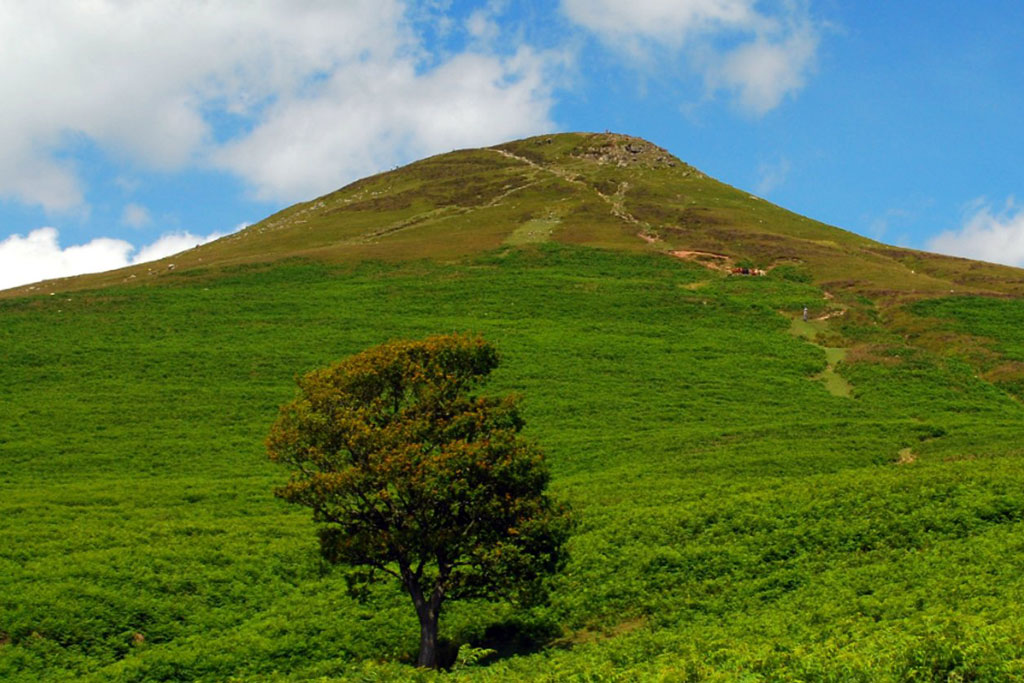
623,151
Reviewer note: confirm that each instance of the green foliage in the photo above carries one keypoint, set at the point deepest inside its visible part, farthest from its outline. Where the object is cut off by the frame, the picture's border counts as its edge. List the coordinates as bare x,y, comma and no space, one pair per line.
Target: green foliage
792,273
1000,320
737,522
412,476
470,656
745,263
988,335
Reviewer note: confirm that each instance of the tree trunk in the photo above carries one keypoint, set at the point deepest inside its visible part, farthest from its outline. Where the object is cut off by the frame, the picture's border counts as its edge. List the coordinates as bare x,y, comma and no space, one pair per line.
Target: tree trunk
428,614
428,609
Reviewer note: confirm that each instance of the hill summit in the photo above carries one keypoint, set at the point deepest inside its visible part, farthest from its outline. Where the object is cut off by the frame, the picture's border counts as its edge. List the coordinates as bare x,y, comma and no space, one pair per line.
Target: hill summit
594,189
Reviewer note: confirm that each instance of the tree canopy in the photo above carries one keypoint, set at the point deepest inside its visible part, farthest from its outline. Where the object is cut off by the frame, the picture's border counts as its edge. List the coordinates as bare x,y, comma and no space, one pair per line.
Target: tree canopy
411,475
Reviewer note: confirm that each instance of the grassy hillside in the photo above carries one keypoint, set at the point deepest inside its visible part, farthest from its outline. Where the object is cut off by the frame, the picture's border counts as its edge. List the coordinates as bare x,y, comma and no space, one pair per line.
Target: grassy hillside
591,189
760,498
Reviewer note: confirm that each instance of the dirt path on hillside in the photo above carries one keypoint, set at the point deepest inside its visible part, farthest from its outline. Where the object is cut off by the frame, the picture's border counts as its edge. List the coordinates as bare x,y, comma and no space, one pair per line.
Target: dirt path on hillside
707,259
617,206
615,202
832,314
439,214
835,383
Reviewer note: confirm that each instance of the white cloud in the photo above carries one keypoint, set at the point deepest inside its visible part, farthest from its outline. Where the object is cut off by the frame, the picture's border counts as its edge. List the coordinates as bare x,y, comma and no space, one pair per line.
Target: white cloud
371,117
144,82
986,235
759,57
174,243
135,216
39,256
763,72
135,77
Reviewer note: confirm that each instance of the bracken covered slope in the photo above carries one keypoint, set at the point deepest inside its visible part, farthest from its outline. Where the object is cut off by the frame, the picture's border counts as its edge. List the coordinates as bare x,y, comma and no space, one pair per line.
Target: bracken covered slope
811,475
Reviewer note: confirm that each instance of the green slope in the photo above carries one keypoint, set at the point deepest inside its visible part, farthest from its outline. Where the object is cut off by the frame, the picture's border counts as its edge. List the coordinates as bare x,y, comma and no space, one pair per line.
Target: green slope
761,498
602,190
738,519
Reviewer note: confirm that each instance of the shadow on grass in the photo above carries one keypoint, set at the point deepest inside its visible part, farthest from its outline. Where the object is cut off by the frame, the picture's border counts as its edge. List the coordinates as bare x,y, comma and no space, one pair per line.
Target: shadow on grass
514,637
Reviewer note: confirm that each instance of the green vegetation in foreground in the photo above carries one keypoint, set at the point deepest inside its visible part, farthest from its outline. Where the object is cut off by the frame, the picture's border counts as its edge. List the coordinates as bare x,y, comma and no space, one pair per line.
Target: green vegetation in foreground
412,475
737,521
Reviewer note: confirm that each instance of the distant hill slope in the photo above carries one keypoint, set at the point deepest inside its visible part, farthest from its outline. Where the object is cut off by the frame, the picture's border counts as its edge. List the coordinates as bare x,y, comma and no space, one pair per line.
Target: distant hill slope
594,189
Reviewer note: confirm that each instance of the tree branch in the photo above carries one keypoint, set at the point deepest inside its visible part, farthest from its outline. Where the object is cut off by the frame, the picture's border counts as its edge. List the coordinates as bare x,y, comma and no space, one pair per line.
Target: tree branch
386,570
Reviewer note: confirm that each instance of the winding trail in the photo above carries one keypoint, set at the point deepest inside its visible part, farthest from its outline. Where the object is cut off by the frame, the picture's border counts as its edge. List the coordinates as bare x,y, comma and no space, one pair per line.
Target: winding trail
440,214
808,330
615,202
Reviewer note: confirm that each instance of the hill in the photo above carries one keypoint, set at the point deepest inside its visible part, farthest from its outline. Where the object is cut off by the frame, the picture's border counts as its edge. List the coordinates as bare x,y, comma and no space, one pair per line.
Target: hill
761,497
597,190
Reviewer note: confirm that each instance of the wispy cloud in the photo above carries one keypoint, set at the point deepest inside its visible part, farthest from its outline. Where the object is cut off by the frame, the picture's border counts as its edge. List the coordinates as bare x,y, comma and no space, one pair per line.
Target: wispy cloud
135,216
39,256
482,26
758,56
771,176
987,234
879,226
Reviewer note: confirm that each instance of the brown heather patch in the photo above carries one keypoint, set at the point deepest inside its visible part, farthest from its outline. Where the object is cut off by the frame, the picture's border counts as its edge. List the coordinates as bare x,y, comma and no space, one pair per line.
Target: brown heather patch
671,218
704,258
873,353
1008,371
390,202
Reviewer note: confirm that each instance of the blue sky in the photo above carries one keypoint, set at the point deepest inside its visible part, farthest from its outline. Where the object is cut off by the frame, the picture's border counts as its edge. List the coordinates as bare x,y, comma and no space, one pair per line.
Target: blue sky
131,130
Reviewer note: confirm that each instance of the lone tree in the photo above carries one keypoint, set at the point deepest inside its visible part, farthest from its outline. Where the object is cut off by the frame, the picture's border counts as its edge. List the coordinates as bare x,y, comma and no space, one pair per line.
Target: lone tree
411,475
